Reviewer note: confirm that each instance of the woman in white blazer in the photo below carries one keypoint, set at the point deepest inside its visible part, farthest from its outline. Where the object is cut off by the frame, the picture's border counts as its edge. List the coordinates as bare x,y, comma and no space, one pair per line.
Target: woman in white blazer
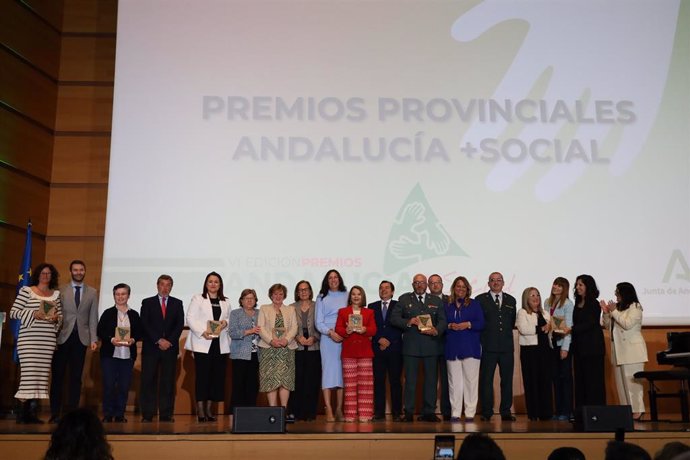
277,329
533,325
623,319
210,349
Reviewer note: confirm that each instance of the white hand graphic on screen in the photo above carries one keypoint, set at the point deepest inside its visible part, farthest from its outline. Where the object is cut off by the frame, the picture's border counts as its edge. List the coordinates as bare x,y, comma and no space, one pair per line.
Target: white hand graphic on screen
612,50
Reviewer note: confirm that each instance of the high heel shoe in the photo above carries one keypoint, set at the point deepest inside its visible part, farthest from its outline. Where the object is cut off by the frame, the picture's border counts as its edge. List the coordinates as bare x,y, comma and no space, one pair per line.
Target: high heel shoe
209,412
639,417
200,413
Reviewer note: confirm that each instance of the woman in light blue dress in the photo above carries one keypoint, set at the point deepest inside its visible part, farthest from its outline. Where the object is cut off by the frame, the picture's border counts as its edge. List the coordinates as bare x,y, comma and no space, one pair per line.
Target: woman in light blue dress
332,297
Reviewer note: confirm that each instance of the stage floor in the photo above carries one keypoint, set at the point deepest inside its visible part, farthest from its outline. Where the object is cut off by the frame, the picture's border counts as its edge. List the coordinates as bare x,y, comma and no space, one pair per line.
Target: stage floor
187,424
187,438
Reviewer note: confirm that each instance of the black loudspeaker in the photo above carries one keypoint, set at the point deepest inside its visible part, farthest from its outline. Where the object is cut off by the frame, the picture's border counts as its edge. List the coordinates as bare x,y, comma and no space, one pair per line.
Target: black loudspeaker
258,420
604,418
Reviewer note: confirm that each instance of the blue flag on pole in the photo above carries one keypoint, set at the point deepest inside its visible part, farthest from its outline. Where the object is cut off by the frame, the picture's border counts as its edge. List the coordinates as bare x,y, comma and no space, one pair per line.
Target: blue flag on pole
24,278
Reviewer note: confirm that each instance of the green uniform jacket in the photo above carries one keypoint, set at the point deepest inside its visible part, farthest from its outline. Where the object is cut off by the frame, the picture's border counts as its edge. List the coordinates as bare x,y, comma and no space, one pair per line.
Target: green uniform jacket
414,342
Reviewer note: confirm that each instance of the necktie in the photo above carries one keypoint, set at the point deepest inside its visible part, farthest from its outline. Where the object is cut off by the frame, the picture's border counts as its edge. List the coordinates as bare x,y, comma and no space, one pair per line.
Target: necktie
498,302
421,299
163,306
384,309
77,295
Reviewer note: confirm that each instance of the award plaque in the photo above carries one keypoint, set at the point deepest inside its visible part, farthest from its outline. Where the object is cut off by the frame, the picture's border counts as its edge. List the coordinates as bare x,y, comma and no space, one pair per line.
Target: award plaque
49,309
354,320
557,323
425,323
278,333
122,335
213,329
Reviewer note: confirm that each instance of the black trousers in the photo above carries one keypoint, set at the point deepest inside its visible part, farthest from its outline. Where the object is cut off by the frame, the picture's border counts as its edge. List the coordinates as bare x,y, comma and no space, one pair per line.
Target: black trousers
443,384
245,382
70,355
387,365
210,373
430,364
487,368
562,378
590,386
536,377
158,382
304,400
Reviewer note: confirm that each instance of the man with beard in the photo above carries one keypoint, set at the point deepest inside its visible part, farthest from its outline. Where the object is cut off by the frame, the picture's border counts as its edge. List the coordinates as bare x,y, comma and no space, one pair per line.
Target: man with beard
80,318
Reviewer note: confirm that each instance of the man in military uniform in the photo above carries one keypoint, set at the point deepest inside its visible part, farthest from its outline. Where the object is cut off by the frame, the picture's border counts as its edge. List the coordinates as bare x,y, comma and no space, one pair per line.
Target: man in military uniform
497,348
421,343
436,289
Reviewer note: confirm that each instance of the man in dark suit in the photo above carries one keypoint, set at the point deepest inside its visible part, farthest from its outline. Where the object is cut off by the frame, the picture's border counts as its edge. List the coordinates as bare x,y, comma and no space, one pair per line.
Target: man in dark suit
162,318
497,347
387,345
420,344
436,289
79,324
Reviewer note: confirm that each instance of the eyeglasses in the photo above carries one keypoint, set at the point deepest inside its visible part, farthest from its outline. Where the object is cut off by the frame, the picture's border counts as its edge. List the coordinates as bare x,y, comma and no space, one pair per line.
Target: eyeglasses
418,283
495,280
303,290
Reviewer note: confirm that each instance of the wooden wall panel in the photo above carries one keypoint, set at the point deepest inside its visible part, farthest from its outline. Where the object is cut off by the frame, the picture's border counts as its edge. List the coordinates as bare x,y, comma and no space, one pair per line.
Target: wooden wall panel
29,201
61,251
87,59
26,90
83,159
28,35
24,145
90,16
77,212
11,253
49,10
84,109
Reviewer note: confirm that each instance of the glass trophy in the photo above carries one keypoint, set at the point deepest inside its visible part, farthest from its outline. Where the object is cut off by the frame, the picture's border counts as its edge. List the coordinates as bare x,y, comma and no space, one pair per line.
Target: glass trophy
122,335
213,329
425,323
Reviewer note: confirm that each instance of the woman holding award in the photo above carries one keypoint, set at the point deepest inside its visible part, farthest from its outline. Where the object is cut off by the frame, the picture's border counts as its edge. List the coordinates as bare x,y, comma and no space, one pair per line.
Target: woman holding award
560,307
356,324
119,328
533,325
628,348
332,297
38,309
207,318
244,351
304,399
277,329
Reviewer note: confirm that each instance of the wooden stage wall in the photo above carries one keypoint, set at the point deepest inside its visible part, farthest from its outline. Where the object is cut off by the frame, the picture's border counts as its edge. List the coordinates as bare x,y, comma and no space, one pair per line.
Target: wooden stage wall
331,446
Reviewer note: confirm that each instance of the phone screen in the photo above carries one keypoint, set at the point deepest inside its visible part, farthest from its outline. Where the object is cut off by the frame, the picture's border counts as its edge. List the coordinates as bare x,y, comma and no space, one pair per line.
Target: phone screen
444,447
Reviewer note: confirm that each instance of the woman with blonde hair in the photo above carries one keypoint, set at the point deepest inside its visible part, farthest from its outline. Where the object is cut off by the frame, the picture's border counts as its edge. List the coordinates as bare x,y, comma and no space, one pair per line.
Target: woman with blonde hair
533,324
357,356
463,349
277,329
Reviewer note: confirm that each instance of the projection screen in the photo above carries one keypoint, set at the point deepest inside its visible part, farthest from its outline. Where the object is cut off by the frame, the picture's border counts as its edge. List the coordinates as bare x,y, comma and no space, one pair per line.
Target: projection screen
273,140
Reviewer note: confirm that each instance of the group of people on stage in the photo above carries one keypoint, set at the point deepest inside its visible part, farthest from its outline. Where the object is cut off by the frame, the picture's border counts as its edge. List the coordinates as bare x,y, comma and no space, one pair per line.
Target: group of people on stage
355,351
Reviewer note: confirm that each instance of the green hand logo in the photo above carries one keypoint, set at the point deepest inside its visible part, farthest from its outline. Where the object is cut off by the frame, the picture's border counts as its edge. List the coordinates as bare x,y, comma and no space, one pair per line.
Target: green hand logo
417,235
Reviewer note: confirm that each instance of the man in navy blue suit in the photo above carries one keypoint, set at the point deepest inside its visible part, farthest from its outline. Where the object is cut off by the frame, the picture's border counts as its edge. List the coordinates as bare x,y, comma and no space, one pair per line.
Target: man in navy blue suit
387,345
163,319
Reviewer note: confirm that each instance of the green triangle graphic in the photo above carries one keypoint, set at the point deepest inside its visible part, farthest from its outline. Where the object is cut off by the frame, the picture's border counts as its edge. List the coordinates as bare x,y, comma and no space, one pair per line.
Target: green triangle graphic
417,235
